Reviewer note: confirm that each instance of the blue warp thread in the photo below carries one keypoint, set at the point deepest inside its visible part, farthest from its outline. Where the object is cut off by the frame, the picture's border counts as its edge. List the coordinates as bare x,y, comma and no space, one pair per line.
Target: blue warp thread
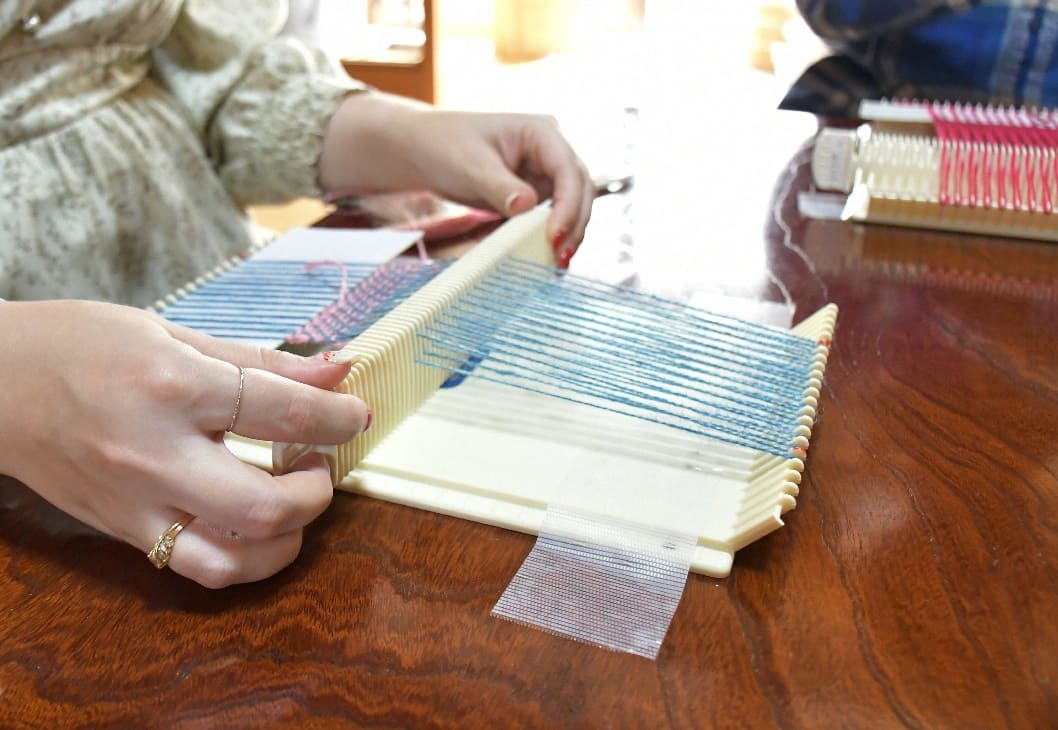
532,327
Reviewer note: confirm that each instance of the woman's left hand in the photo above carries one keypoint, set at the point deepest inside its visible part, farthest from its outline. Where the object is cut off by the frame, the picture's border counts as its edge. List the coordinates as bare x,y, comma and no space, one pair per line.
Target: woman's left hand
508,162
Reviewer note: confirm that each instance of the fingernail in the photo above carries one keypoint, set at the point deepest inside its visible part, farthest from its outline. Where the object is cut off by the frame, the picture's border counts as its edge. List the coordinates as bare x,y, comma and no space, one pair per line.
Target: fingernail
509,203
337,357
370,418
564,258
558,238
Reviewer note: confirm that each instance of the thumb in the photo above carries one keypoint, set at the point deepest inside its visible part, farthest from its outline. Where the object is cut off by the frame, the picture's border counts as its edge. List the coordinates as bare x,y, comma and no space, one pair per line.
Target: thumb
517,196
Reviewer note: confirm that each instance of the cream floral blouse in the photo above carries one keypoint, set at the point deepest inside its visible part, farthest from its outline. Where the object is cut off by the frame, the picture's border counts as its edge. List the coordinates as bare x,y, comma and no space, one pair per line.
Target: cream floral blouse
133,131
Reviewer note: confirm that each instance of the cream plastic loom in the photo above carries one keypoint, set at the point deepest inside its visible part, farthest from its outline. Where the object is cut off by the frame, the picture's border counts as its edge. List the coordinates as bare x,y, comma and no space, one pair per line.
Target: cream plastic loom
500,455
892,170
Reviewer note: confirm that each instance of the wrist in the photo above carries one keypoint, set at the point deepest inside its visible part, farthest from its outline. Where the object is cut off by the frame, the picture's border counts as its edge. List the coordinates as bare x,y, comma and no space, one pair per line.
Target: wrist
365,147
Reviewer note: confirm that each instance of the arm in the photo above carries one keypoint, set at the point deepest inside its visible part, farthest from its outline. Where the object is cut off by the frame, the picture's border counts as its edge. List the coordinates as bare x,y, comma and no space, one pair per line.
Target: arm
270,109
260,103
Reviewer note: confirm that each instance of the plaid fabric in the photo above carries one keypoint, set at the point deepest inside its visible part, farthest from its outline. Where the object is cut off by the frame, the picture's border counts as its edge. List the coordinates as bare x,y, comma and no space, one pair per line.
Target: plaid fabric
961,50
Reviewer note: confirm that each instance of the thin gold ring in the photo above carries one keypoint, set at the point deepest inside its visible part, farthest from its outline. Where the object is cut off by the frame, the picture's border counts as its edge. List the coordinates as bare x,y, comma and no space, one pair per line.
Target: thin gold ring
238,399
163,547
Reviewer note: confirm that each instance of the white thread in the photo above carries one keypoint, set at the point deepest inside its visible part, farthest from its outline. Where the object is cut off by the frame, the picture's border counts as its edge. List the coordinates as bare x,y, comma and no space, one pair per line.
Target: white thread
603,581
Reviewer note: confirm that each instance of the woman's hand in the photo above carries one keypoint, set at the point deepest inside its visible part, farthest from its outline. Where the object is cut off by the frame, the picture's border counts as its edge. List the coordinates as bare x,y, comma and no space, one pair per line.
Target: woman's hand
508,162
117,417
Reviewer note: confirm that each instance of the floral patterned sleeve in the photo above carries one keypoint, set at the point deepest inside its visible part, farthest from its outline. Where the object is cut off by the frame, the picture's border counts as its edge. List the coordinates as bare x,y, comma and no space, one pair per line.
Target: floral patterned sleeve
259,102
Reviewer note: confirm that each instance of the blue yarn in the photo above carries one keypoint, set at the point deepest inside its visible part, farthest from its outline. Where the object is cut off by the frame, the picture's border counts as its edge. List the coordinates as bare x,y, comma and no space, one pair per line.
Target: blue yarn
538,329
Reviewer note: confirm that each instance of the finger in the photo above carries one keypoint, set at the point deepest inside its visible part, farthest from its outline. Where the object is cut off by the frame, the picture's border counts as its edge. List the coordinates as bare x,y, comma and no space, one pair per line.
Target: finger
566,245
586,203
224,491
218,558
217,561
570,208
276,409
263,405
325,370
540,183
548,154
504,191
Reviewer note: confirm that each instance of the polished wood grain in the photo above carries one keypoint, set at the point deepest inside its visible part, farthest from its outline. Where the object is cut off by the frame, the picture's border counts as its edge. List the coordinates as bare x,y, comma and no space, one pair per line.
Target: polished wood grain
913,586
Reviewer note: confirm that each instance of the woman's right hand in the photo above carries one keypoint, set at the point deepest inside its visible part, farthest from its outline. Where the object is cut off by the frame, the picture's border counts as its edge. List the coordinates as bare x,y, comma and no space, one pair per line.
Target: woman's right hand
117,417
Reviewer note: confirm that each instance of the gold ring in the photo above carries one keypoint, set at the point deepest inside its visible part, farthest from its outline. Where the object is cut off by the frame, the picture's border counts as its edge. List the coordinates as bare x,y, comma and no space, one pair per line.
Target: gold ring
238,399
163,548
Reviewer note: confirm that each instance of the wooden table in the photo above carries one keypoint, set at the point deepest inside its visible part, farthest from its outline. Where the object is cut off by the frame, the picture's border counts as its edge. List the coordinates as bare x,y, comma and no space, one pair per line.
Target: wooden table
913,586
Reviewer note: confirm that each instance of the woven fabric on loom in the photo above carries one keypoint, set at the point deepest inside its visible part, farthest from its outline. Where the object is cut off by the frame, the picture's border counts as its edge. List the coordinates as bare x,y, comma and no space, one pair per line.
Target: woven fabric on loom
357,308
969,168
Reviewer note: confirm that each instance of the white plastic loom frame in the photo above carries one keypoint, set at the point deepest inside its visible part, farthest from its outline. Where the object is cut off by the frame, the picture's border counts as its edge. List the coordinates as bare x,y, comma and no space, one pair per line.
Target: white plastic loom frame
892,174
500,456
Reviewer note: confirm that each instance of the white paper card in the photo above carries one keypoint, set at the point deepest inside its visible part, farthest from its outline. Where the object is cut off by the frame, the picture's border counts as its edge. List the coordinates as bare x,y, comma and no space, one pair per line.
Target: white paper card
348,245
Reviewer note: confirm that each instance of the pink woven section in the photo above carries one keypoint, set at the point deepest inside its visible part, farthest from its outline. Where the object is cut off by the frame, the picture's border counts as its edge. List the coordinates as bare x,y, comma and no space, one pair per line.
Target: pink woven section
356,307
996,156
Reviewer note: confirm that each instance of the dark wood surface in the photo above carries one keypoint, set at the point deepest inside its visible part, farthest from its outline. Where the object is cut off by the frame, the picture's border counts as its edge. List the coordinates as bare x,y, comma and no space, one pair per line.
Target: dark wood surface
913,586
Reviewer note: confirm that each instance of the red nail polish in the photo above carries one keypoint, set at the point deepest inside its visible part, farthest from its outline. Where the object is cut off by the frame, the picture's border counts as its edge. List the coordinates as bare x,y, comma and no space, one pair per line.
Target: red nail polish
370,417
564,258
558,239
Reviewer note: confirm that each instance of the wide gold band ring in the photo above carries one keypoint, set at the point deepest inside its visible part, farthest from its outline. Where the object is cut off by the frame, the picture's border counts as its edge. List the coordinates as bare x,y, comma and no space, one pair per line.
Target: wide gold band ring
163,548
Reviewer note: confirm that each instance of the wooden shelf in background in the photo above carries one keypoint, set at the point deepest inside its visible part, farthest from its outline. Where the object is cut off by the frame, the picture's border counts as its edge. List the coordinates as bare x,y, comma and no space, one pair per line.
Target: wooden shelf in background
413,79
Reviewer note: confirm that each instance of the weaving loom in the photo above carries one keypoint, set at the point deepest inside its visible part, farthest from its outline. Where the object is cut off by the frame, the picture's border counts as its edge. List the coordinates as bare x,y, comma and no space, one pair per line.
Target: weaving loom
500,384
959,167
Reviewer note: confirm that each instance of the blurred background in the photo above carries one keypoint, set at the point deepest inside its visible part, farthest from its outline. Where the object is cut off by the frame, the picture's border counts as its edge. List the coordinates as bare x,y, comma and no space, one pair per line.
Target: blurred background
682,95
578,60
